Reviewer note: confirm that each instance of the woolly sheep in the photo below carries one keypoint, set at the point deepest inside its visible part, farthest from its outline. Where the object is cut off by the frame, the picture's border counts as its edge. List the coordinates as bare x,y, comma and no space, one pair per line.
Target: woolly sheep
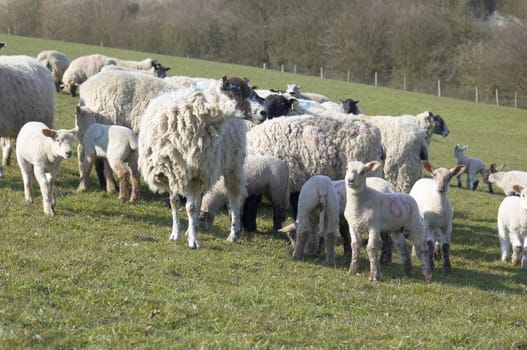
27,93
188,139
148,65
81,68
267,176
56,62
39,152
512,227
432,123
114,143
431,196
318,216
473,166
506,179
294,91
373,211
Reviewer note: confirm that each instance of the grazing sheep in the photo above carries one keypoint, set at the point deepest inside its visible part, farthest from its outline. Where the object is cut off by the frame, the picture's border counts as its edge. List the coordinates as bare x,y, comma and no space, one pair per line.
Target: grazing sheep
27,93
512,227
56,62
39,152
473,166
431,196
81,68
266,176
506,179
373,211
318,216
188,139
294,91
114,143
148,65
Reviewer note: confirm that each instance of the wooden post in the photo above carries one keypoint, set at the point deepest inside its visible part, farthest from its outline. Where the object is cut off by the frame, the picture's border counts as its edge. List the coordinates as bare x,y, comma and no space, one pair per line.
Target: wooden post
438,88
497,98
295,68
515,99
264,66
375,78
404,82
282,67
348,76
476,93
321,72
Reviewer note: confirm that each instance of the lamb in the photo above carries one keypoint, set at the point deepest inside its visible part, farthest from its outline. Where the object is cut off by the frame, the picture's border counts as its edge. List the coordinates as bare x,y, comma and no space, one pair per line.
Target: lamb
512,227
506,179
27,93
148,65
188,139
117,145
56,62
431,196
294,91
81,68
267,176
318,216
39,152
473,166
351,106
374,211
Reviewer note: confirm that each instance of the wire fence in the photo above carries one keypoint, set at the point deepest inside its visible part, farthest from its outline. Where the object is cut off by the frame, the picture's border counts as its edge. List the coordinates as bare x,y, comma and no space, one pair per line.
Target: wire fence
499,97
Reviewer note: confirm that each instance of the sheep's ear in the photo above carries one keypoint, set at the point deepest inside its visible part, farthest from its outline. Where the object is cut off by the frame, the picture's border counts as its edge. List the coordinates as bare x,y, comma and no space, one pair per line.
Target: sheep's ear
501,167
48,133
373,165
517,188
344,158
459,169
294,103
74,131
427,166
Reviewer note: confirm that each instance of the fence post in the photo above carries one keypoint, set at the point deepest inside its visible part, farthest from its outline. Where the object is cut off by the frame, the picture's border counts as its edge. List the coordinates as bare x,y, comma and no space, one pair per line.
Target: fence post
264,66
497,98
348,76
515,99
282,67
438,87
294,68
321,72
375,78
404,82
476,93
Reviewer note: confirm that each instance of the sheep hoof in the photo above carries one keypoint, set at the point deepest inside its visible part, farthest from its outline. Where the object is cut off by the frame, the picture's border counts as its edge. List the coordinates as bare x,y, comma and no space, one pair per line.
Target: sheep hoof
447,269
233,237
354,269
193,245
173,237
375,276
427,276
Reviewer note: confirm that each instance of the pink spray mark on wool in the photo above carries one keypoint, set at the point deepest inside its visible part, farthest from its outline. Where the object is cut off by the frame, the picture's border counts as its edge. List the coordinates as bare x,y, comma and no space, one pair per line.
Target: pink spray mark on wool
325,148
399,207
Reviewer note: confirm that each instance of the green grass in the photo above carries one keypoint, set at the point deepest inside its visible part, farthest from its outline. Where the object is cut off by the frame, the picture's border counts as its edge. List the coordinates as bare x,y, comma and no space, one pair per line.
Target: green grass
101,275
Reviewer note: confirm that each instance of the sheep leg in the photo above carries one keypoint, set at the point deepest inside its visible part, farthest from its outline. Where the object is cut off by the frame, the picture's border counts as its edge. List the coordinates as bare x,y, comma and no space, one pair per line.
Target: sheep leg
355,250
516,255
234,210
300,242
278,218
85,166
27,177
505,248
386,248
371,248
192,206
134,180
459,181
110,182
422,253
313,242
475,184
447,268
250,210
345,235
437,251
489,187
7,149
46,191
330,240
431,262
122,174
176,225
404,252
524,256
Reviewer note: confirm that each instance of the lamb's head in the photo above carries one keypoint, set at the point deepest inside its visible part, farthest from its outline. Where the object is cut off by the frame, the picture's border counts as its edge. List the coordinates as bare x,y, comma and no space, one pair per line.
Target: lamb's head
62,145
70,88
160,70
442,176
239,90
459,151
488,174
84,117
293,90
522,191
351,106
356,173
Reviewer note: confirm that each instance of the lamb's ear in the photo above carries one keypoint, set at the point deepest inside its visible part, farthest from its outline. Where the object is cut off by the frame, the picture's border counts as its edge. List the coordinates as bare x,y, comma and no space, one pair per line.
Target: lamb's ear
459,169
501,167
48,133
427,166
74,131
344,158
373,165
517,188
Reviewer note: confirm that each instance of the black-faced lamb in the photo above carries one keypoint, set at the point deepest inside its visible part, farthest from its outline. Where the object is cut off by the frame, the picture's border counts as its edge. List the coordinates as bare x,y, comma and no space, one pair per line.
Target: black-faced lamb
117,145
506,179
373,211
473,167
56,62
512,227
266,176
318,217
27,93
39,152
188,139
294,91
431,196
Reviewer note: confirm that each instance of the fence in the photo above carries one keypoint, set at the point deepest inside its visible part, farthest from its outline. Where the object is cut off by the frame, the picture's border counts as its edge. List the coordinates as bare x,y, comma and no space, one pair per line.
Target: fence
500,97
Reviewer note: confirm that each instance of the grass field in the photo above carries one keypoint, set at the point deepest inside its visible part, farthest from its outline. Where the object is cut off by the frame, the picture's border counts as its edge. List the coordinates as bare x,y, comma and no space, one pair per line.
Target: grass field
101,275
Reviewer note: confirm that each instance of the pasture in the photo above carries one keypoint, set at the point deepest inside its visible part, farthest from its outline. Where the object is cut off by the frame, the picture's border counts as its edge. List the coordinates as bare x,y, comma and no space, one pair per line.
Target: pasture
101,275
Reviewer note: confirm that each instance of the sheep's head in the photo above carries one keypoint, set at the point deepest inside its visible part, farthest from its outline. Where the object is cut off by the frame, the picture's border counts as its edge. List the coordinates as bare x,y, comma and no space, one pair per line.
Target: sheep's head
522,192
159,69
356,173
440,126
442,176
487,173
62,141
459,150
279,105
351,106
239,90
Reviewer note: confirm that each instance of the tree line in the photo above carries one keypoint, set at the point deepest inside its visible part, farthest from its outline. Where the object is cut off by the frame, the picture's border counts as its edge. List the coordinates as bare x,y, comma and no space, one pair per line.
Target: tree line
456,41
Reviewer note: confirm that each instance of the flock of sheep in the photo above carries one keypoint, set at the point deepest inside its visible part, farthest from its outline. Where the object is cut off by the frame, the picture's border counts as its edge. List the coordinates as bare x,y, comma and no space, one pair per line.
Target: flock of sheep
208,143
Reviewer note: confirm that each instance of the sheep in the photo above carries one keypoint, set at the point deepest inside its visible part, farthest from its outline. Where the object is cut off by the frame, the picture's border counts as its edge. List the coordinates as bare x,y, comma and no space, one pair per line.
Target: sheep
505,179
148,65
431,123
351,106
267,176
370,210
318,216
56,62
3,45
188,139
512,227
80,69
117,145
431,196
27,93
294,91
39,152
473,166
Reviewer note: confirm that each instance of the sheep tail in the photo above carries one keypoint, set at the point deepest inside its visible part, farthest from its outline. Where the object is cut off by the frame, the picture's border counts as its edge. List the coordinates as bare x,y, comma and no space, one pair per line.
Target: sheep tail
322,206
133,143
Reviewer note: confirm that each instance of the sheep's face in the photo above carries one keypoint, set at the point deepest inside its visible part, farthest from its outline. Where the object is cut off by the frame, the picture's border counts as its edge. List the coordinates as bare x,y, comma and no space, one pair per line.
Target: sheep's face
278,105
356,173
459,150
442,176
440,126
522,191
62,141
239,90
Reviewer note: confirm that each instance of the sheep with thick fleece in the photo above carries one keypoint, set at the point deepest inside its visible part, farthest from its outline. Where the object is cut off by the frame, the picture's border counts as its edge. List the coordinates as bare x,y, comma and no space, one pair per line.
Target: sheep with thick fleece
432,123
81,68
39,152
148,65
431,196
370,210
318,217
512,227
473,167
56,62
114,143
506,179
27,93
266,176
188,139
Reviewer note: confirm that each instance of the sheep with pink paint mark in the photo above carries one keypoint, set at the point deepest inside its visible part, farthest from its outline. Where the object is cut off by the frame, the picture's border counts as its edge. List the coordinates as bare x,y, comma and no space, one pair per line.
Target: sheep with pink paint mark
370,210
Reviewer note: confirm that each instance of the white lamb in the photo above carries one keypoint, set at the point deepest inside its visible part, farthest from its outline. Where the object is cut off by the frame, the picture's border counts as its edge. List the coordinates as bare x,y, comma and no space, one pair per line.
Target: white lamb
318,216
373,211
294,91
81,68
431,196
188,139
27,93
506,179
512,227
149,65
473,167
117,145
39,152
56,62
